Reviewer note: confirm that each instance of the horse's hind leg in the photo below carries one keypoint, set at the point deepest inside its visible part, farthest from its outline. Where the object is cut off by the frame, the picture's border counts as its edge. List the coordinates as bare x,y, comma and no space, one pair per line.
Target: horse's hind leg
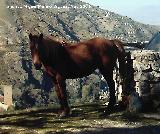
108,75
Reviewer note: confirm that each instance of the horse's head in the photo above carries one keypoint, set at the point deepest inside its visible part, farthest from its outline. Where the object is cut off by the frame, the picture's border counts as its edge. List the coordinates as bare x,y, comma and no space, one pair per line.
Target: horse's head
35,40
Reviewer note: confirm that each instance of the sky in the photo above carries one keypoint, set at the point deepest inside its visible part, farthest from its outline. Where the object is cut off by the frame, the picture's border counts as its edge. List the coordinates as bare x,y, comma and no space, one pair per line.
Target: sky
145,11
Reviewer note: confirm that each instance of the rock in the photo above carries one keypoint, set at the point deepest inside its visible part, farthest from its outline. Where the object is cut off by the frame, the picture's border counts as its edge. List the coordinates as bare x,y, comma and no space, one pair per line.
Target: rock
3,107
143,87
146,64
155,89
134,103
155,76
141,76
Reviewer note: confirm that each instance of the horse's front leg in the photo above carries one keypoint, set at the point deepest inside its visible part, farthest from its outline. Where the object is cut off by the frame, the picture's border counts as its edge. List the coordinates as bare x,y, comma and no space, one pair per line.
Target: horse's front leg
60,87
111,85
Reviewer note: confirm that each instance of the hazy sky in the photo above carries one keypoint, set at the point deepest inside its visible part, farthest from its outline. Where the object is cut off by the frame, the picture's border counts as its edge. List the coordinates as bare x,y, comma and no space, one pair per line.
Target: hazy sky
145,11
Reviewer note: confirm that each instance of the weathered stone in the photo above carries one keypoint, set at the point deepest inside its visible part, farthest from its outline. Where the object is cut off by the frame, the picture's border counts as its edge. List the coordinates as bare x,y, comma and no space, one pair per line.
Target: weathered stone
140,65
147,76
146,98
154,65
137,65
149,55
3,107
144,76
156,103
144,87
137,76
155,89
135,104
155,76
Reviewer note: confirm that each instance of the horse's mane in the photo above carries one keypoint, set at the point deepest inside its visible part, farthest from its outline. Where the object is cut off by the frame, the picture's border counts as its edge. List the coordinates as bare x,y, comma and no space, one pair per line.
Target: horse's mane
53,48
52,40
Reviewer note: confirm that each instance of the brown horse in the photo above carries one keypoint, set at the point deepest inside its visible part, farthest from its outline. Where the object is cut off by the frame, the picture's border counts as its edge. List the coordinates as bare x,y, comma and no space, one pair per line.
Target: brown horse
71,61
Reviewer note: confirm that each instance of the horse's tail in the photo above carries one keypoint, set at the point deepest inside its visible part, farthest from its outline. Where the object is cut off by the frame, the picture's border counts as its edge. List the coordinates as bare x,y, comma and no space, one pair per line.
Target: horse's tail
121,58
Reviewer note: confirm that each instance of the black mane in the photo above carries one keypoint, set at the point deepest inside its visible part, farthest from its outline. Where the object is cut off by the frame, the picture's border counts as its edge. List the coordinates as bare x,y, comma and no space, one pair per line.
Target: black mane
55,50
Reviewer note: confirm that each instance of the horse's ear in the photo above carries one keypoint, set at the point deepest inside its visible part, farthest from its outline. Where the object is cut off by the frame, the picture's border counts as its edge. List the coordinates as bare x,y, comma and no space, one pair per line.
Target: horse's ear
30,36
41,36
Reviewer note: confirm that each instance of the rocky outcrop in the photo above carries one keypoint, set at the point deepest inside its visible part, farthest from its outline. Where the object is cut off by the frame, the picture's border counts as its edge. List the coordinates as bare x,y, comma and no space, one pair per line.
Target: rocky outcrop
154,43
75,20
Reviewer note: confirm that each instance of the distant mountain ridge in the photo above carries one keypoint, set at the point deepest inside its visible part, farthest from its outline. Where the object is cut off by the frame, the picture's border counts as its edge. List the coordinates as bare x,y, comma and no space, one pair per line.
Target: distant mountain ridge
82,23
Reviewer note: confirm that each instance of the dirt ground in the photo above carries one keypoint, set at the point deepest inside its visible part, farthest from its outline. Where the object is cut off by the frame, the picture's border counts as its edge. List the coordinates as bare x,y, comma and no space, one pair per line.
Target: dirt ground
84,119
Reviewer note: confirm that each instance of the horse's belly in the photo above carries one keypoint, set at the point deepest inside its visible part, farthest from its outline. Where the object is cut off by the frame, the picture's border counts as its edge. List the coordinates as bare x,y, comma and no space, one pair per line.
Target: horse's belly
79,73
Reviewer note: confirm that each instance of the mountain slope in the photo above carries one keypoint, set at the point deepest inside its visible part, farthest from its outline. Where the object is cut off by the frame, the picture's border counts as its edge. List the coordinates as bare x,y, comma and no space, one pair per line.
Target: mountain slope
79,21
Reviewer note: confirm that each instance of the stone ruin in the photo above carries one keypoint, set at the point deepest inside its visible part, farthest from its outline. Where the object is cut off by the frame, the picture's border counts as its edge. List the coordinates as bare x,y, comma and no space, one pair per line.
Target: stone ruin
6,98
146,64
143,77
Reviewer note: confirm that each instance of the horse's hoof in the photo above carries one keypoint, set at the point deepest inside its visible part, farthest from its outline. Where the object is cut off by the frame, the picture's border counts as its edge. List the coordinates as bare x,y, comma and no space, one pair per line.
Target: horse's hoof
64,115
60,111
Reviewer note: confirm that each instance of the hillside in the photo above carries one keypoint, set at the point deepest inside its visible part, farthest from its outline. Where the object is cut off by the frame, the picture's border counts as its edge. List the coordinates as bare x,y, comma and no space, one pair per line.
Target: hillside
79,21
76,20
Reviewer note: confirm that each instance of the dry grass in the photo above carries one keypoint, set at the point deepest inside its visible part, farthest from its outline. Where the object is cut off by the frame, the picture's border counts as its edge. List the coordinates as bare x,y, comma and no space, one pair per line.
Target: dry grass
84,119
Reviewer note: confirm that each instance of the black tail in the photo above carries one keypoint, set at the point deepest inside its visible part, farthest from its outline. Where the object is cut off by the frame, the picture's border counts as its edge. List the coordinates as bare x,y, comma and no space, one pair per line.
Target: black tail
121,58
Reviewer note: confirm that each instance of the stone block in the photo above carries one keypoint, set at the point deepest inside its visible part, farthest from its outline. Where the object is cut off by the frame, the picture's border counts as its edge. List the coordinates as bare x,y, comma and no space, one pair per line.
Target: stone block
154,65
155,76
135,104
143,87
140,65
7,95
155,89
144,76
3,107
146,98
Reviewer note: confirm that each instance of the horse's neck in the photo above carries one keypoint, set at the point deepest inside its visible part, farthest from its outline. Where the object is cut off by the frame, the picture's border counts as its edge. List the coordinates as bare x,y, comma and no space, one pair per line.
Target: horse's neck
56,53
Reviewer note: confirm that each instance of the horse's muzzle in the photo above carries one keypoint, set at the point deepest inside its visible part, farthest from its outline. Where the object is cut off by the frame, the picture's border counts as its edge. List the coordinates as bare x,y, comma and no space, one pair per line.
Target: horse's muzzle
38,66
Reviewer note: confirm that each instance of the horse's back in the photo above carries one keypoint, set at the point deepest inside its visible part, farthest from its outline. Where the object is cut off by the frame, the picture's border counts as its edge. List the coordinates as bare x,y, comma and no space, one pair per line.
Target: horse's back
93,51
106,50
80,51
95,46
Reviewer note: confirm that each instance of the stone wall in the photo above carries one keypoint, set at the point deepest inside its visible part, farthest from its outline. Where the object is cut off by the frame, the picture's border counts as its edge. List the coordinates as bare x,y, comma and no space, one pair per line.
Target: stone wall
146,64
143,77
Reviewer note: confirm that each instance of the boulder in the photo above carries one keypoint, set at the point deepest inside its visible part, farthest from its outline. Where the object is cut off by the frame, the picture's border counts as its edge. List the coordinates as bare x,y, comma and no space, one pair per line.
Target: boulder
3,107
135,104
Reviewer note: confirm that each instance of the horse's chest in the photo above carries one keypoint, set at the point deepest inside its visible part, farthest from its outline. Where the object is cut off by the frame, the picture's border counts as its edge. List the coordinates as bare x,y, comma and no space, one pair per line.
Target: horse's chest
50,70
